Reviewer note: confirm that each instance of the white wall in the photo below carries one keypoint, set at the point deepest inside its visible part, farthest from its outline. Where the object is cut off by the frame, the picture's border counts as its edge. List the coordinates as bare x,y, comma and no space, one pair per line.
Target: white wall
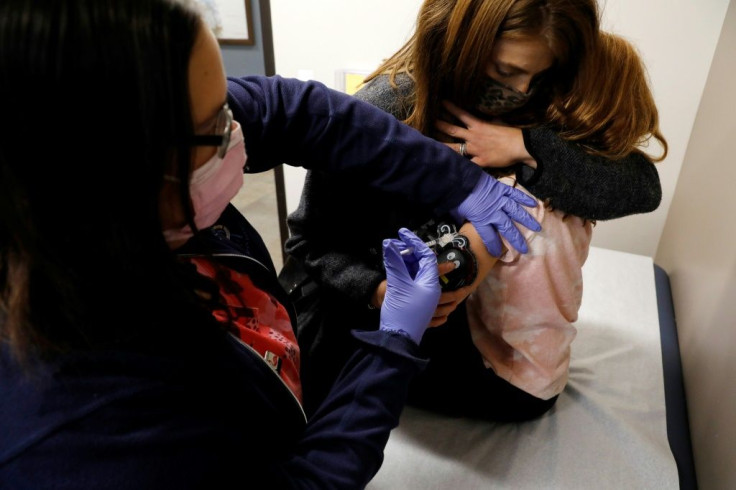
322,36
677,39
698,252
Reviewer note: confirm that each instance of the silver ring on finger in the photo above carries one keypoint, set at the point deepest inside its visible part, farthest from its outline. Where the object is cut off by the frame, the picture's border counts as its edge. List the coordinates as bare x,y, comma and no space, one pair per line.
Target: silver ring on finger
463,149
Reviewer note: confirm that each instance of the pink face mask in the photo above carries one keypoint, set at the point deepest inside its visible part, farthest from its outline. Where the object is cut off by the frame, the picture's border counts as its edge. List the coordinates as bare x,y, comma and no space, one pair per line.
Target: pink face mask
213,185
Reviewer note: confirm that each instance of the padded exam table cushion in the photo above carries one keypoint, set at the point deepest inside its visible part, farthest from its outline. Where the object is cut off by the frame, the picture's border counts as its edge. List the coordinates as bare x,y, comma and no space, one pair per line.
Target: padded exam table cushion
607,430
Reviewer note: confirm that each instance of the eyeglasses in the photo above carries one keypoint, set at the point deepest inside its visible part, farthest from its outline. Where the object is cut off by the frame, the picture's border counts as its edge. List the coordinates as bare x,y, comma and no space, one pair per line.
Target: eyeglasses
221,136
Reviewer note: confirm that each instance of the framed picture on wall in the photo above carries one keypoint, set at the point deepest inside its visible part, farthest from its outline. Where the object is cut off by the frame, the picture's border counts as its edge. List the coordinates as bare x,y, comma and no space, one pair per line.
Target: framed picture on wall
230,20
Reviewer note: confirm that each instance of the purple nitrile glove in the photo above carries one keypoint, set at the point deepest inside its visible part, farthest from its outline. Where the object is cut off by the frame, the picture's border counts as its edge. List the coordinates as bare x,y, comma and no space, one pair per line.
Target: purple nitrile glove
491,207
412,286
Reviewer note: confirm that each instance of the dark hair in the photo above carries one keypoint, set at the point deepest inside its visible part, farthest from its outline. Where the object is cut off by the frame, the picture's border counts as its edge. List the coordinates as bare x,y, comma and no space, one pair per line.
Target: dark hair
95,104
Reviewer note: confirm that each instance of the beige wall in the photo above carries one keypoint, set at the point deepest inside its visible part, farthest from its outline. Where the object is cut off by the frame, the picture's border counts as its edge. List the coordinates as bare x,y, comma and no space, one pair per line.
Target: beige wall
698,250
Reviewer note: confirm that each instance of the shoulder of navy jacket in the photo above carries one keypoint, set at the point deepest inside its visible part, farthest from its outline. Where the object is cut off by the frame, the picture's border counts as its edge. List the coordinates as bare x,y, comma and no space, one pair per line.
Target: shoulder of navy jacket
221,232
221,239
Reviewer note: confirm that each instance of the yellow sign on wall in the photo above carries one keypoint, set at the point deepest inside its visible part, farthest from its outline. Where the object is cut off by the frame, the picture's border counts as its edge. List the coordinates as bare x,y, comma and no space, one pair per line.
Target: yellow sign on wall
353,82
350,81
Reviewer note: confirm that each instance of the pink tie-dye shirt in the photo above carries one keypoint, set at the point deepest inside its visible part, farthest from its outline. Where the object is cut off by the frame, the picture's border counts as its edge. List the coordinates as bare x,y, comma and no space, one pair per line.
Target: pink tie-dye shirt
521,316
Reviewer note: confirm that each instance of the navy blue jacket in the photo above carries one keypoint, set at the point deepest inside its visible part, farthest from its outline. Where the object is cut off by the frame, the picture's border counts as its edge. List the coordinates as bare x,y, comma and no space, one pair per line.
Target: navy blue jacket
214,414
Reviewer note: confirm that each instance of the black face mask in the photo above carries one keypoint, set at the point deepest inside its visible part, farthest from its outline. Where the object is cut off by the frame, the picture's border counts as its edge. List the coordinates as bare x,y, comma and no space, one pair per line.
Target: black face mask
494,98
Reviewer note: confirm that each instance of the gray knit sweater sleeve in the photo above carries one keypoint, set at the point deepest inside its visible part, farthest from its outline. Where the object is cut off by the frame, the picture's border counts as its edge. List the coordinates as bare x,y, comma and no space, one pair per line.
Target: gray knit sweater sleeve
325,238
586,185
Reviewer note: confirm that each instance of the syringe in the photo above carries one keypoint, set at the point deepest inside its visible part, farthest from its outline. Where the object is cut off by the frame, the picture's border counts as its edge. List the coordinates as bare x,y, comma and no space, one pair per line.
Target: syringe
410,250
